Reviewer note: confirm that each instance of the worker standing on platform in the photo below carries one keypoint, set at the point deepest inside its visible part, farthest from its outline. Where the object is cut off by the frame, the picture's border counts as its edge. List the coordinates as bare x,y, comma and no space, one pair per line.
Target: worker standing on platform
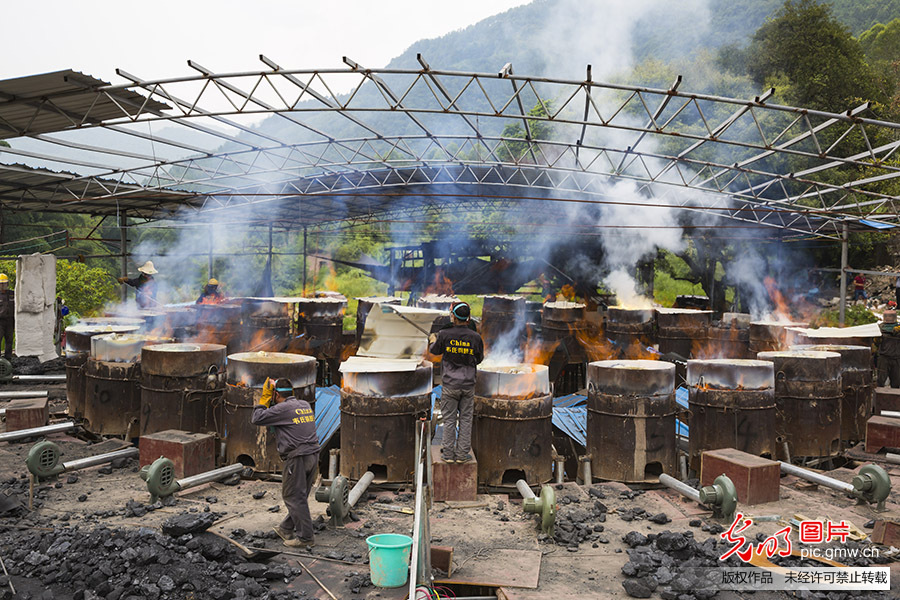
211,293
7,316
462,350
298,445
889,348
144,285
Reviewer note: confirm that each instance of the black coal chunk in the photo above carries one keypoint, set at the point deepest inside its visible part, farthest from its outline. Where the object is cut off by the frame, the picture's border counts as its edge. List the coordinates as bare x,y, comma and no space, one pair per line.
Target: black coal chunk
188,523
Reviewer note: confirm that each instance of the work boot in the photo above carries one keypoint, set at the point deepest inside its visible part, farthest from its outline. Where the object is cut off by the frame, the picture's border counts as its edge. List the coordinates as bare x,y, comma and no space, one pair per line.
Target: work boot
284,534
299,543
447,459
464,459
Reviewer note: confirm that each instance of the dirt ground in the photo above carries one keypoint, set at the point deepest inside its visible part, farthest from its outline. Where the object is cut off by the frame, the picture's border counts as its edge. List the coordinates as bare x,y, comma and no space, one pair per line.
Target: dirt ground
493,540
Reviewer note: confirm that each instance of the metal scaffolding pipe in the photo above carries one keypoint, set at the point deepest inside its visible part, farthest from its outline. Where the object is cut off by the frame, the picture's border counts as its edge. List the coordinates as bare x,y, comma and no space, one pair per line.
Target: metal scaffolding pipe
682,488
11,436
523,488
39,378
90,461
360,488
560,468
17,395
586,470
817,478
333,464
214,475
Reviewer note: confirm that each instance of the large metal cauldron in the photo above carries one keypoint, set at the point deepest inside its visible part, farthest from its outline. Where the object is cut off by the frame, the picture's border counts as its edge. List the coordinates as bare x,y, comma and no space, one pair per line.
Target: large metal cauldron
247,372
732,404
381,400
220,324
183,387
858,383
809,397
503,322
78,350
112,381
267,325
772,336
631,419
513,430
728,338
681,330
631,330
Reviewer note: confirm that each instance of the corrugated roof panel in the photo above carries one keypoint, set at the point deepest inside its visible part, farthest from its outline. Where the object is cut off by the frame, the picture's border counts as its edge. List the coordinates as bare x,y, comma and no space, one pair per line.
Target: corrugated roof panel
63,100
572,421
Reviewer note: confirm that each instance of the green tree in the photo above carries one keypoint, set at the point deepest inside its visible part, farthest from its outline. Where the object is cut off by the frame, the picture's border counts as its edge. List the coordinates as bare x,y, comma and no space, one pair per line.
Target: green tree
824,66
86,290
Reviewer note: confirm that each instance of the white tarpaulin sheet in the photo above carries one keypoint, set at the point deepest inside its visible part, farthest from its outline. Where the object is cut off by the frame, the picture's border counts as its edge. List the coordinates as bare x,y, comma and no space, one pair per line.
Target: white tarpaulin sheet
869,330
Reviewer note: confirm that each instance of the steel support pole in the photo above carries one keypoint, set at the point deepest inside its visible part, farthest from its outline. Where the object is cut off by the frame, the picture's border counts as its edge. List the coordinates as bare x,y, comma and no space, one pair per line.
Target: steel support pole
210,265
90,461
123,237
817,478
214,475
304,260
845,247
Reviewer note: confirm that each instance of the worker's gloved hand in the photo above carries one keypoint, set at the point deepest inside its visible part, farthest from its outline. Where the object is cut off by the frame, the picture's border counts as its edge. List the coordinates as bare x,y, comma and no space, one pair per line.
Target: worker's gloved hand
268,393
897,330
432,338
121,279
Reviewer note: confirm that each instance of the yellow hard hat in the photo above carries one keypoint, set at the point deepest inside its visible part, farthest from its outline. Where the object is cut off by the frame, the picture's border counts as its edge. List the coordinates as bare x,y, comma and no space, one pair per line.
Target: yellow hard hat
213,282
4,278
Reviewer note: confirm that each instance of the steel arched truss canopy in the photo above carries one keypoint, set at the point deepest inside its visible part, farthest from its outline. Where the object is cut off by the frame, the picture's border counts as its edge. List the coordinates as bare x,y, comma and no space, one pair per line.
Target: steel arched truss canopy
356,143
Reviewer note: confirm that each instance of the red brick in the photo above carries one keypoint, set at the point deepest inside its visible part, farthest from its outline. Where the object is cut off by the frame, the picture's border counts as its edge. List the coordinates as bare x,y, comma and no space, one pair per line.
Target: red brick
886,533
886,398
192,453
453,481
27,413
756,479
882,432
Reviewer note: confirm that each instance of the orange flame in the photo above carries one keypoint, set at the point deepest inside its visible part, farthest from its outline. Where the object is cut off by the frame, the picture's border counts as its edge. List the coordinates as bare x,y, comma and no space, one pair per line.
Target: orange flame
441,286
331,280
567,292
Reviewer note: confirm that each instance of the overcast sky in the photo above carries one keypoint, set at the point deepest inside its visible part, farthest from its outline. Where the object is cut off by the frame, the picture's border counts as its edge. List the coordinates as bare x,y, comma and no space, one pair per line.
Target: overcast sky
154,40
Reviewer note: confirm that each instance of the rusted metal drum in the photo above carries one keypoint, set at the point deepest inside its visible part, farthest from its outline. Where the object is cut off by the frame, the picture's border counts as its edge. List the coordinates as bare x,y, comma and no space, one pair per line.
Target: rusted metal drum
267,325
365,305
320,320
858,383
112,381
78,350
181,323
728,338
75,362
732,405
437,301
564,322
809,398
631,330
380,404
772,336
219,324
631,419
534,313
183,387
682,330
247,372
503,322
513,430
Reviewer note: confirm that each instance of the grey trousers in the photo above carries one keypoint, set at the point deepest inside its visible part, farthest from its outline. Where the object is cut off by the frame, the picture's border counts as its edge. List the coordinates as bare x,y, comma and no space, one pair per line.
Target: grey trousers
457,406
297,479
7,331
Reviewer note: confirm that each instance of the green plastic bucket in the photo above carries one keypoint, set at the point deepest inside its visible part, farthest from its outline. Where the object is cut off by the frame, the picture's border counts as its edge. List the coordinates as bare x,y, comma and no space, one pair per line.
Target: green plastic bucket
389,559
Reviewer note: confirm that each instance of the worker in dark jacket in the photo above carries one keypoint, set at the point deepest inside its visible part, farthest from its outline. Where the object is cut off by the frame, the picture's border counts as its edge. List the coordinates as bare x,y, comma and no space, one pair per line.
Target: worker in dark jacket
298,445
461,350
889,349
7,316
144,285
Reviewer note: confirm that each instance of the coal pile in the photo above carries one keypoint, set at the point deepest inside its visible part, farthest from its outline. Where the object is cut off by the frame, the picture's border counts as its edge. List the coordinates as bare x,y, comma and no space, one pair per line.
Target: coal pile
663,564
129,564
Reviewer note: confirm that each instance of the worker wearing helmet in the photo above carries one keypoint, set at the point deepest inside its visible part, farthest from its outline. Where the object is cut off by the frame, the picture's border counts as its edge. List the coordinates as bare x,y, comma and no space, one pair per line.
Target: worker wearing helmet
7,316
297,443
211,293
144,285
462,349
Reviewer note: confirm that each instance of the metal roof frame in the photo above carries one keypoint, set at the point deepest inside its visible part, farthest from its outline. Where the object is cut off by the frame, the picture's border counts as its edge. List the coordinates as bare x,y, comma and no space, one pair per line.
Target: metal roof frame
408,133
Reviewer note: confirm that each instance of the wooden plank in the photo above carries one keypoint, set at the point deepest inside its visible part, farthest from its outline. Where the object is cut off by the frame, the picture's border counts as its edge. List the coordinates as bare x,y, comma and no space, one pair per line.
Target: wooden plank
501,568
